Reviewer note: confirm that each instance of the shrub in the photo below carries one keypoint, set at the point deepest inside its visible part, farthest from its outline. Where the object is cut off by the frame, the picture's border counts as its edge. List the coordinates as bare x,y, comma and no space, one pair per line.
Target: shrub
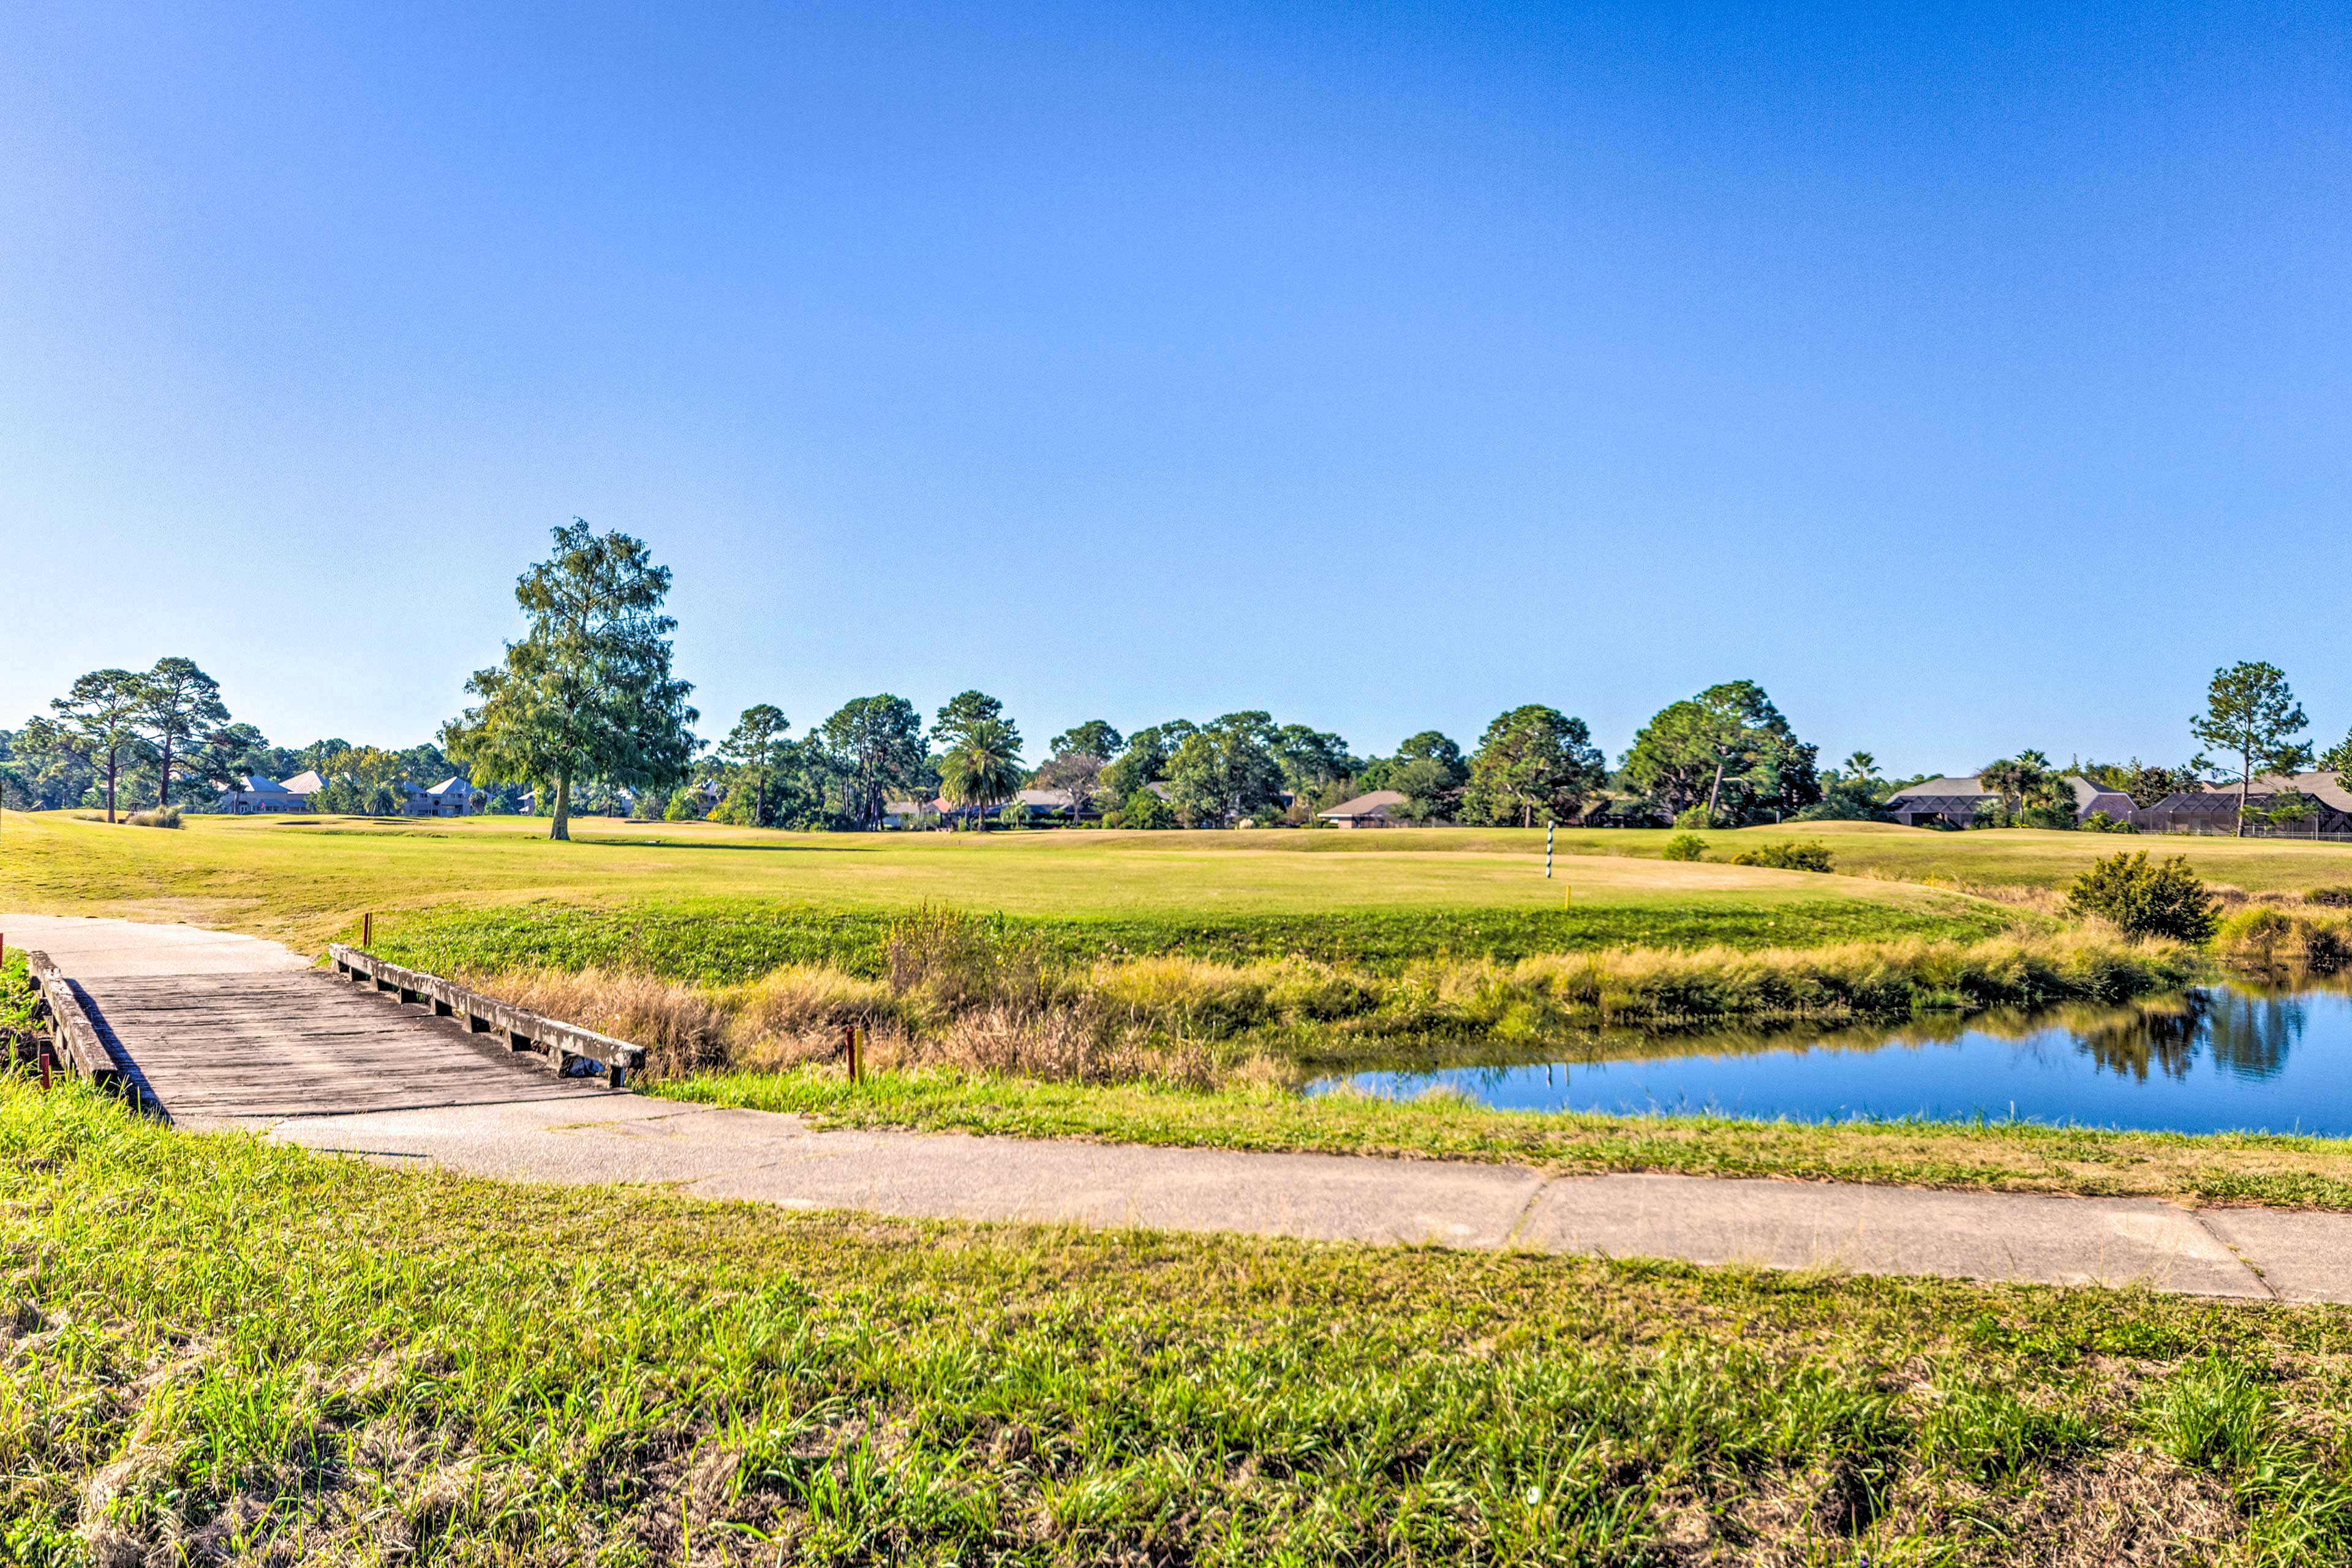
2100,822
1697,816
1683,846
2166,898
1789,856
161,817
685,805
1144,809
2334,898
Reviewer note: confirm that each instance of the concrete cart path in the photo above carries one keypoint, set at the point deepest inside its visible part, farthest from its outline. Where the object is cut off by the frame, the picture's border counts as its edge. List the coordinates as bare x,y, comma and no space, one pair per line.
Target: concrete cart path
550,1131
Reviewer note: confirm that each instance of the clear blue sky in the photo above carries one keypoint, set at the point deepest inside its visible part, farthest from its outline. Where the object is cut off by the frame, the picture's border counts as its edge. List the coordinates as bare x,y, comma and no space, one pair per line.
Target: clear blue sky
1974,379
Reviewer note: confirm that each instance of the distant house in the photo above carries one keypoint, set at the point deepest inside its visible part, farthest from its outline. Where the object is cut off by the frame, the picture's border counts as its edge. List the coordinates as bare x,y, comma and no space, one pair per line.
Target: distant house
910,813
452,796
257,795
1377,809
1058,804
2215,810
1953,801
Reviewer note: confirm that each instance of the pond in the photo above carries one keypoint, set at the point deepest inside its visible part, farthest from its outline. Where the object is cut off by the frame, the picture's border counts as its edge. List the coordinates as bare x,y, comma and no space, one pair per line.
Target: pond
2230,1057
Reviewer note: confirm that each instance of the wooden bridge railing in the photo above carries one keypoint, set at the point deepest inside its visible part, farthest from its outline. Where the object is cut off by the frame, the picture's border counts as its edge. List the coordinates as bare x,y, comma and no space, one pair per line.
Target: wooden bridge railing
558,1043
78,1042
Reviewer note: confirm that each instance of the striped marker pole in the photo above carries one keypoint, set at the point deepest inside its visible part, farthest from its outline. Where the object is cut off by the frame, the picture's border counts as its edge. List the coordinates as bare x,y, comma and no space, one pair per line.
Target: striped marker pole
1547,832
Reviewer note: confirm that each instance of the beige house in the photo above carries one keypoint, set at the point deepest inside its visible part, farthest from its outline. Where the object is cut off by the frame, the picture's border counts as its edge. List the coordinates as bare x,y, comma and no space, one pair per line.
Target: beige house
1374,810
452,796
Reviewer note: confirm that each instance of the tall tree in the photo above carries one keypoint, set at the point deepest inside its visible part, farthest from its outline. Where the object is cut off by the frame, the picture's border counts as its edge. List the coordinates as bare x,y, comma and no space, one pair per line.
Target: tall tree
1432,746
178,704
229,755
756,752
588,692
1534,764
1080,755
1312,758
1429,790
982,768
878,743
2338,760
1728,749
1226,770
2250,714
1144,760
1095,738
366,783
100,720
966,711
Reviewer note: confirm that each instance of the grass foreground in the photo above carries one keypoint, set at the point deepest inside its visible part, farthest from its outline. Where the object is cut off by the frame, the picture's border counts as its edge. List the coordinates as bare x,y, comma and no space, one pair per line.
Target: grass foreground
220,1350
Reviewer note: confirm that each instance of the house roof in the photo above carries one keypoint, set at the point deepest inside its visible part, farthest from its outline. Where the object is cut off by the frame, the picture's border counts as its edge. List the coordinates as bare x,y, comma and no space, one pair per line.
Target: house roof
1376,804
259,784
2322,787
1943,789
1946,794
2325,787
1043,799
452,784
305,783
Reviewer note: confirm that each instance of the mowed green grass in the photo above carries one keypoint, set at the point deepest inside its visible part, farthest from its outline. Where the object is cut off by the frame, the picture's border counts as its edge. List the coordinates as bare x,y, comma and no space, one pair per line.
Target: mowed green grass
306,880
2012,857
225,1350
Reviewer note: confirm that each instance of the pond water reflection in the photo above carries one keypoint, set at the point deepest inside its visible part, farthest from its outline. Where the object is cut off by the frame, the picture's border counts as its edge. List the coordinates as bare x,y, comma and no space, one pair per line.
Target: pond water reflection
2219,1058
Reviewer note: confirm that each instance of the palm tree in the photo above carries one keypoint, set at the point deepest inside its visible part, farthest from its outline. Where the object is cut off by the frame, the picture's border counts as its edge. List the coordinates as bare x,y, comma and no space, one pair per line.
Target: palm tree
1861,768
983,768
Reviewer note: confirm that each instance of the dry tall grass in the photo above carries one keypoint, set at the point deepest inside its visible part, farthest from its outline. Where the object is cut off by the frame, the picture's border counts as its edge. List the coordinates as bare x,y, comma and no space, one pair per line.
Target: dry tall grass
974,1001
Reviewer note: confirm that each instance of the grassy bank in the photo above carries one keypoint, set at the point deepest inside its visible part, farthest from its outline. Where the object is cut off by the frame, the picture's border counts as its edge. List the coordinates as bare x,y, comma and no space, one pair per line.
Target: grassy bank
220,1350
1989,1156
987,996
727,942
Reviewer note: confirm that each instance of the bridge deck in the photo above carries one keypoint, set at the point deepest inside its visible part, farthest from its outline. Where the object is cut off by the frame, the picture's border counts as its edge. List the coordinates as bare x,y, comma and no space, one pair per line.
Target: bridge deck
225,1030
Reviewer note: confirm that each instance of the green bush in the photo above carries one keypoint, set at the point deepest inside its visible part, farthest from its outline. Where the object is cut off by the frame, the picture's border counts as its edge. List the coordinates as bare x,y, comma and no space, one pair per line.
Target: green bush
1787,855
1144,809
2166,898
1697,816
685,805
2100,822
1683,846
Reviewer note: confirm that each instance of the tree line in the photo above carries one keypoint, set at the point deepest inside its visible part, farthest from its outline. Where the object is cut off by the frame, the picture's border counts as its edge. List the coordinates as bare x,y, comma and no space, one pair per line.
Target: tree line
585,713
